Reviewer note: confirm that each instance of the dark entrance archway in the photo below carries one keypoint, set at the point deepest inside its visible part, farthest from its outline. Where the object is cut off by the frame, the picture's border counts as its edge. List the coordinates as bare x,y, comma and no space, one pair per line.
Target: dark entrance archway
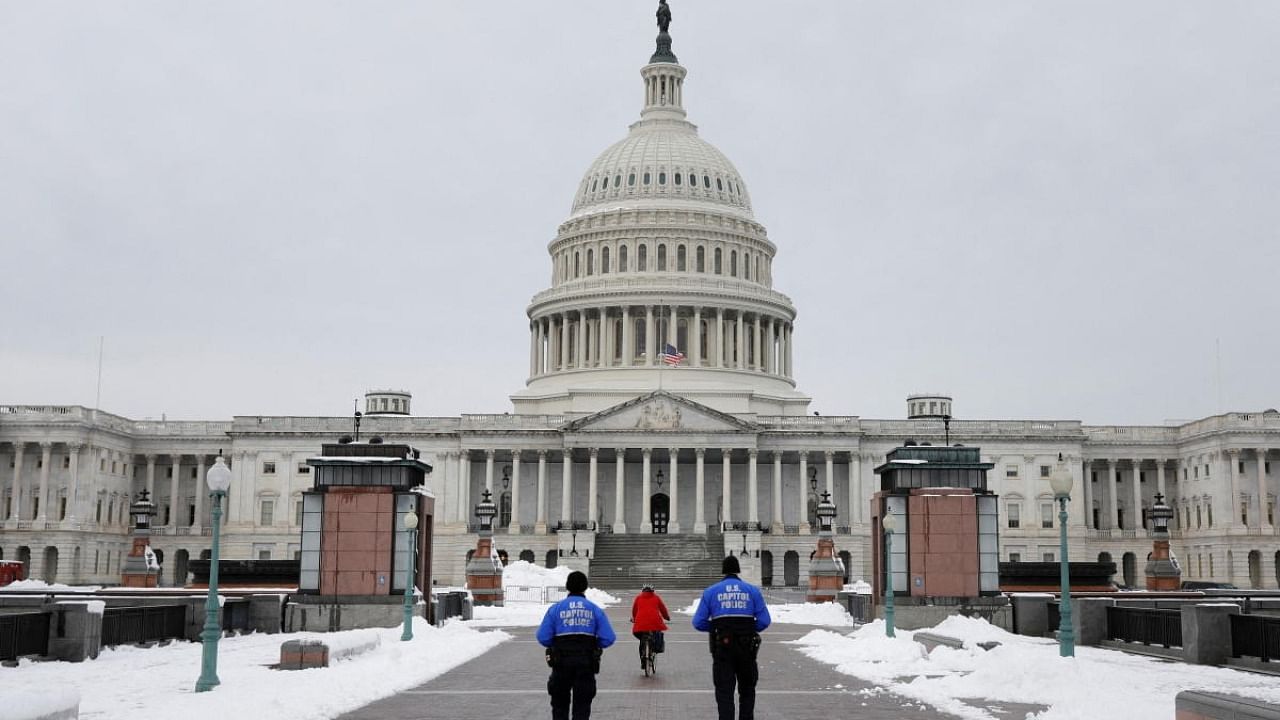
553,558
527,556
766,568
180,559
659,512
51,564
1255,569
1130,562
847,559
791,568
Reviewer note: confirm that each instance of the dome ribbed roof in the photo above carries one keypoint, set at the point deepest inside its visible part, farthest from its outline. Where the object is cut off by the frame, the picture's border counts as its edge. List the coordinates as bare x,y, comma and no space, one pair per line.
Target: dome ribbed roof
662,160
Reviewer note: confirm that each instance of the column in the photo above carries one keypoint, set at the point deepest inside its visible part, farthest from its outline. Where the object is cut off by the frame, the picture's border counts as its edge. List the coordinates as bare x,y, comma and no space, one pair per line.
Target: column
533,350
777,492
540,357
758,365
619,490
46,457
566,486
1160,488
1233,482
673,517
855,488
739,339
553,353
151,475
202,488
699,509
15,485
720,356
648,337
73,453
1086,476
1137,494
753,499
802,495
1112,495
789,354
695,337
1261,460
464,487
564,361
768,353
488,470
628,337
593,509
582,340
515,493
726,484
646,522
541,523
672,327
605,324
830,457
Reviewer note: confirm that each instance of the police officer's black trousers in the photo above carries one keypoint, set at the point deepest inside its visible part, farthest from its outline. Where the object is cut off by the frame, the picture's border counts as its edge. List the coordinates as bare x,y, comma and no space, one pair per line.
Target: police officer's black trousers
731,666
573,681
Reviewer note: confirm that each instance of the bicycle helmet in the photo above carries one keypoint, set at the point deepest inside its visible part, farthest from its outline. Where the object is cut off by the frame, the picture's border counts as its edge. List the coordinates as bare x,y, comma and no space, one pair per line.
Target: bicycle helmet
647,587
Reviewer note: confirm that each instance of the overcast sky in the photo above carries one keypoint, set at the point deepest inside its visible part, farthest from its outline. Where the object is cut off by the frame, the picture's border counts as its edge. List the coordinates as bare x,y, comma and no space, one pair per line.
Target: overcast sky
1048,209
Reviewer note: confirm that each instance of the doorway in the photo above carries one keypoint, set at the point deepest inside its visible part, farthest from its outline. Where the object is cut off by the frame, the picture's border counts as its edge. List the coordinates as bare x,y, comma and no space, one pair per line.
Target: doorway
659,513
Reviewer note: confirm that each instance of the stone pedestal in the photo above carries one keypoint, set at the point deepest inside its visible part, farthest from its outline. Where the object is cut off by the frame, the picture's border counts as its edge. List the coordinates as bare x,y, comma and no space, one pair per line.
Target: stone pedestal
139,570
484,573
826,575
1162,574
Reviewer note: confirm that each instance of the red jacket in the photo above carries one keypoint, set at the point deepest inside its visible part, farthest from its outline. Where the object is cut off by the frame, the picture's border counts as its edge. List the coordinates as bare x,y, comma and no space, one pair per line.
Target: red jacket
648,613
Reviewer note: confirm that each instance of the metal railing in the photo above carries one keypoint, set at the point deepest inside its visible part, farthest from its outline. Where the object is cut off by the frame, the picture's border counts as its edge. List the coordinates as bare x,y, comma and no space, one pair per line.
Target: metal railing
24,634
1255,636
131,625
1144,625
533,593
741,526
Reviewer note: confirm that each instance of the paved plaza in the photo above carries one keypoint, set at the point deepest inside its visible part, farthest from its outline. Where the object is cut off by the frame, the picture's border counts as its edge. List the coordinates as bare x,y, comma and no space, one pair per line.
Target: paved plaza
510,681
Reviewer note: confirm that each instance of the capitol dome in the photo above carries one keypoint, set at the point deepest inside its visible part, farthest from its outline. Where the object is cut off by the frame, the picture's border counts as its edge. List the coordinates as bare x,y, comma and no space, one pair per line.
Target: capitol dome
661,278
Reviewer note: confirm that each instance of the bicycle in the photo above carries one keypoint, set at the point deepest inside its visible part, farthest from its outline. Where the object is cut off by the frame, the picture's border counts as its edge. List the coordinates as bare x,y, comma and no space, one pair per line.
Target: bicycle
649,658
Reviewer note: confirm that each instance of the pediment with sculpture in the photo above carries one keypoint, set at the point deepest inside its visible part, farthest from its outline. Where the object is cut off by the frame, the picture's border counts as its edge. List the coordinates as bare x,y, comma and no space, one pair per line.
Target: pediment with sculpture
660,411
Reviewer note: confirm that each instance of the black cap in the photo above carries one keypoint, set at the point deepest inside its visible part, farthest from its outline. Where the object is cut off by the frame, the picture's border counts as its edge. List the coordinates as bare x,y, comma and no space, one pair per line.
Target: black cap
577,583
730,566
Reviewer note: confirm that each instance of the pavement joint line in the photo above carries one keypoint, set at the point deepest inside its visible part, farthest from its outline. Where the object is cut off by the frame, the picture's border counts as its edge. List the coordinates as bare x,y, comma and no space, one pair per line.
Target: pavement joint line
622,691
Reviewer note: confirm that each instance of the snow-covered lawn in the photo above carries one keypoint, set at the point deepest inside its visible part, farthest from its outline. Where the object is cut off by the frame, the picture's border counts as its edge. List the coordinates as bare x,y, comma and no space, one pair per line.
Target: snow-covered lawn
127,683
1097,683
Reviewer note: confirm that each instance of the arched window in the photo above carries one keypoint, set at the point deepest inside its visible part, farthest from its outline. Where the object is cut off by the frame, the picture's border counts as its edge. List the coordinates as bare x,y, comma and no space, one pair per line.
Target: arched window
640,339
617,339
746,266
662,178
642,258
679,178
617,180
758,280
622,258
604,260
605,185
646,178
593,185
733,263
700,259
716,263
706,182
680,261
719,185
591,261
577,265
631,180
662,257
693,180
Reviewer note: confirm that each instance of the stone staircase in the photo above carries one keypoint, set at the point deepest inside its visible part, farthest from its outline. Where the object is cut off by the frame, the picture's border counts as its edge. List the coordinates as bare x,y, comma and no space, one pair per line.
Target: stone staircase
669,562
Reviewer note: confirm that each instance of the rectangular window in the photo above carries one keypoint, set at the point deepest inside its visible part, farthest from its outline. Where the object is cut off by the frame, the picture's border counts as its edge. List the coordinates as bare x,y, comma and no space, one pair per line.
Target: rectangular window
1241,467
1206,474
268,468
297,513
1271,512
1244,513
1044,471
1209,514
191,514
195,473
62,508
1093,476
1015,512
264,554
1015,557
168,473
304,469
113,466
1142,476
1011,471
1047,557
267,513
97,514
66,462
1196,469
1046,515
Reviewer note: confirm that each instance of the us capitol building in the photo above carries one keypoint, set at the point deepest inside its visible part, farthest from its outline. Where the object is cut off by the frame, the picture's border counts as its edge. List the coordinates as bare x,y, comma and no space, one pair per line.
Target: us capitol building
661,259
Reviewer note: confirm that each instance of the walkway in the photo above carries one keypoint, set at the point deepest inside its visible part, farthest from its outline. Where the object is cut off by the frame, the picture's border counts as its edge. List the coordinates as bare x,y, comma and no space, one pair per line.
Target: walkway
510,681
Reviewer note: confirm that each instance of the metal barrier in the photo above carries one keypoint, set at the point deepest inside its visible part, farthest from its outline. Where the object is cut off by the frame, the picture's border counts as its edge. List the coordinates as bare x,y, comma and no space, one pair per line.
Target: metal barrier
235,615
1255,636
24,634
449,604
126,625
1144,625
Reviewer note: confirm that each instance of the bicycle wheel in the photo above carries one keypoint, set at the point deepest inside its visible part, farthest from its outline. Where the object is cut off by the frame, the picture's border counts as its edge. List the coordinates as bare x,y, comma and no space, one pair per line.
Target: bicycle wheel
646,655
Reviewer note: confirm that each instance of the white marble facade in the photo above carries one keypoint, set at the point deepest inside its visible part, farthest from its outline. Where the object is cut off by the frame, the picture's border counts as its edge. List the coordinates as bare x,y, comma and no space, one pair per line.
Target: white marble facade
661,248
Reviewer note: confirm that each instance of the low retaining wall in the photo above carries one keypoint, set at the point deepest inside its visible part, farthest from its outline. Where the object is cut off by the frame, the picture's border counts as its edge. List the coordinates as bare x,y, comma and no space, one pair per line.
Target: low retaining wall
306,654
1195,705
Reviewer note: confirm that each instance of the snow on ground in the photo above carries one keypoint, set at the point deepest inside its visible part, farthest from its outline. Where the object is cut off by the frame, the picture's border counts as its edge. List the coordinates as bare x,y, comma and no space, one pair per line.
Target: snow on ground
42,585
521,582
127,683
1097,683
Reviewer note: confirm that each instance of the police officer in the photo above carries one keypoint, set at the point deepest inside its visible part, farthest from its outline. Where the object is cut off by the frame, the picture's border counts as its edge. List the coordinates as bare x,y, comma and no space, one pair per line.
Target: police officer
575,632
733,611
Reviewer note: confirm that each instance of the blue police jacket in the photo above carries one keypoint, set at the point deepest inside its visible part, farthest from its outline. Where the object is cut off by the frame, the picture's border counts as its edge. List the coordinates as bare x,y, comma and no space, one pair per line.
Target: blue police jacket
576,615
731,598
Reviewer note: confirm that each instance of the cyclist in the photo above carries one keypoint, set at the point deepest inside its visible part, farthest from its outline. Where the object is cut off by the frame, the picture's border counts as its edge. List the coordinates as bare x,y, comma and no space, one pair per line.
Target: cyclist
648,614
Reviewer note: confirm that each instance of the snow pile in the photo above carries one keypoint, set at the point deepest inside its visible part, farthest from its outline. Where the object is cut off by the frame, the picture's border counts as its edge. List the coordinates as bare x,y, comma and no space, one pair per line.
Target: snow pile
824,614
126,683
1097,683
33,704
44,586
525,574
861,587
692,608
510,615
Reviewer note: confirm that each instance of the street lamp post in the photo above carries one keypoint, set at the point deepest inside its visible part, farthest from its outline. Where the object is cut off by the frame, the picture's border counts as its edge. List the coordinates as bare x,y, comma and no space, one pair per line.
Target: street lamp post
889,524
410,524
219,481
1060,481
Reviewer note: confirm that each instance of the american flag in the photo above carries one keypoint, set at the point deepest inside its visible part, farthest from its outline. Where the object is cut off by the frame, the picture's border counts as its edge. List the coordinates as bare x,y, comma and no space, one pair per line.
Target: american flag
671,356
